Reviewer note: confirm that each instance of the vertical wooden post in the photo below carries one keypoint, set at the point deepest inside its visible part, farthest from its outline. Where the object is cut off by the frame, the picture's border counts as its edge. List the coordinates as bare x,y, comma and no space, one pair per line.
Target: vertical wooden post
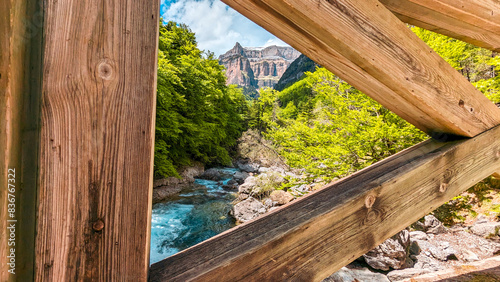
20,50
96,140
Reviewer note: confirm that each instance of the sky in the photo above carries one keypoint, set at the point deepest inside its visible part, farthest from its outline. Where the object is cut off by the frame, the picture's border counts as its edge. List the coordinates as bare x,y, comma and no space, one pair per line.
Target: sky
217,26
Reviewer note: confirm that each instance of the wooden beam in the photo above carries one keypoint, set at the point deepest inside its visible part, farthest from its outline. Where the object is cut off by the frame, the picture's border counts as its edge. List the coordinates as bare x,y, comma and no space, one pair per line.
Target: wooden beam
473,21
371,49
20,50
97,137
314,236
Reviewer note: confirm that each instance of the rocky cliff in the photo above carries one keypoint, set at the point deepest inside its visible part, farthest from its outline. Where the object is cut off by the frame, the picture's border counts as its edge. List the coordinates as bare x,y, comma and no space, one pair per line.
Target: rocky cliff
257,67
295,72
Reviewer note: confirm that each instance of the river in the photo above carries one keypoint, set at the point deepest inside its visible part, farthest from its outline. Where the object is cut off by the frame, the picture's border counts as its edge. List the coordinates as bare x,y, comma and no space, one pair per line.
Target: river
196,214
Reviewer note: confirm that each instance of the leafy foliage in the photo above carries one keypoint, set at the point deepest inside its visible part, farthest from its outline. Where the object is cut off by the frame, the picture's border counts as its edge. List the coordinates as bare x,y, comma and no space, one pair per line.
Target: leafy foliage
198,116
330,129
478,65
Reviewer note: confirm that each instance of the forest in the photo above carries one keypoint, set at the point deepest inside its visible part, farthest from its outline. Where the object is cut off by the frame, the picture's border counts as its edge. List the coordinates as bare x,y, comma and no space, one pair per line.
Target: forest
320,123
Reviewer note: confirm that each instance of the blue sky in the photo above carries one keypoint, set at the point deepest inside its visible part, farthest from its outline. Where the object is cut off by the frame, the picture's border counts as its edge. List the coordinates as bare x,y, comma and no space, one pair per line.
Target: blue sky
217,26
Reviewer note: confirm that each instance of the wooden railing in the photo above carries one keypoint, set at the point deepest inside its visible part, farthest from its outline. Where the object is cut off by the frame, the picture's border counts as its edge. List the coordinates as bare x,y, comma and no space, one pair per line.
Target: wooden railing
77,121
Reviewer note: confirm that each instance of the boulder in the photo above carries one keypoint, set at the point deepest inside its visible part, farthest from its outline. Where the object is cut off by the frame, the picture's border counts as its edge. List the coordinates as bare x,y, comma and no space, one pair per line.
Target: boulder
469,256
439,250
433,225
418,235
164,192
393,253
486,229
247,210
248,186
248,167
401,274
212,174
281,197
240,176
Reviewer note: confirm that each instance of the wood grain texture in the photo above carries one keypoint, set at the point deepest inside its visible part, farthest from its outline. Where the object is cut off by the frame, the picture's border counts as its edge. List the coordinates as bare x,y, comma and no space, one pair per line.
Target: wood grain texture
370,48
473,21
20,42
312,237
97,136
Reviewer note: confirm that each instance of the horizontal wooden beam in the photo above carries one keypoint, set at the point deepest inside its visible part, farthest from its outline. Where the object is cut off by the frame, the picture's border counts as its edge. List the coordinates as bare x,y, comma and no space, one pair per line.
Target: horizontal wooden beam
314,236
473,21
370,48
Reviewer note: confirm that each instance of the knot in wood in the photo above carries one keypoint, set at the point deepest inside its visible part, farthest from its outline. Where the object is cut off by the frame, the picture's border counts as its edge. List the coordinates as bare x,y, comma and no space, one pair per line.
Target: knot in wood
369,201
105,70
98,225
374,216
498,154
443,187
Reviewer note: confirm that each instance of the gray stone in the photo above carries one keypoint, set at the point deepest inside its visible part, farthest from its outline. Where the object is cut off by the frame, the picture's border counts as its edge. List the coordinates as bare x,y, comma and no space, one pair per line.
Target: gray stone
356,275
248,167
263,169
248,185
433,225
247,210
442,252
398,275
486,229
240,176
269,203
212,174
469,256
418,235
392,253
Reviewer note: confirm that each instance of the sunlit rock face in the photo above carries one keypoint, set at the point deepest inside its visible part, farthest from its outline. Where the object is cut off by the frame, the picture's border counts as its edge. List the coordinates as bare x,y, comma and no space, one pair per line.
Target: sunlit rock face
257,67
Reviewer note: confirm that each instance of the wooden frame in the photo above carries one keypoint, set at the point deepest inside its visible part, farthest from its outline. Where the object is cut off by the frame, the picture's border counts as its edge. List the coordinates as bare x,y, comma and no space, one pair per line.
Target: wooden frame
77,89
312,237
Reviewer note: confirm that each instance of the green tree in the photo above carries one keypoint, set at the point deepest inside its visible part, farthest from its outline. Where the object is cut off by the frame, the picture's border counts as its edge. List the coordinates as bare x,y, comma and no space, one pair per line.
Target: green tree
198,118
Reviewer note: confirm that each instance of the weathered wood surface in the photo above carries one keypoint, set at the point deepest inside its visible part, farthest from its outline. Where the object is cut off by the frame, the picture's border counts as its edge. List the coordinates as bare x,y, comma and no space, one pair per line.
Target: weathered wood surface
473,21
97,135
314,236
370,48
20,42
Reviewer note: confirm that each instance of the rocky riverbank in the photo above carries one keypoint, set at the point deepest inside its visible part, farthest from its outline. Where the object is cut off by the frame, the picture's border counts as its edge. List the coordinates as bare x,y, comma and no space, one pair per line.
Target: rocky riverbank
167,187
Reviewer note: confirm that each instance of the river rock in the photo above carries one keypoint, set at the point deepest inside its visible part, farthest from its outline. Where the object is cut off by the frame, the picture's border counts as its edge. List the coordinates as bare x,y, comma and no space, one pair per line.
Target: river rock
164,188
248,186
248,167
401,274
281,197
211,174
486,229
247,210
240,176
163,192
393,253
346,274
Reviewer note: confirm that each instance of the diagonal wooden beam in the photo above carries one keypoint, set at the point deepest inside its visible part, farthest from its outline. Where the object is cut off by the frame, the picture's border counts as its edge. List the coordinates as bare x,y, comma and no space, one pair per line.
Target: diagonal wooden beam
473,21
370,48
316,235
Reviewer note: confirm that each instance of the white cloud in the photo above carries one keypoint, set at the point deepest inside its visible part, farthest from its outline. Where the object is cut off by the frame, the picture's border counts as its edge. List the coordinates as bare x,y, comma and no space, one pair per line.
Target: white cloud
217,26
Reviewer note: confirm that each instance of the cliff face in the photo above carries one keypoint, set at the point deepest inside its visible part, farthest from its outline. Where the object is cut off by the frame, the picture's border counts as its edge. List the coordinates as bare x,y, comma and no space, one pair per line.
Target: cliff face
295,72
257,67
